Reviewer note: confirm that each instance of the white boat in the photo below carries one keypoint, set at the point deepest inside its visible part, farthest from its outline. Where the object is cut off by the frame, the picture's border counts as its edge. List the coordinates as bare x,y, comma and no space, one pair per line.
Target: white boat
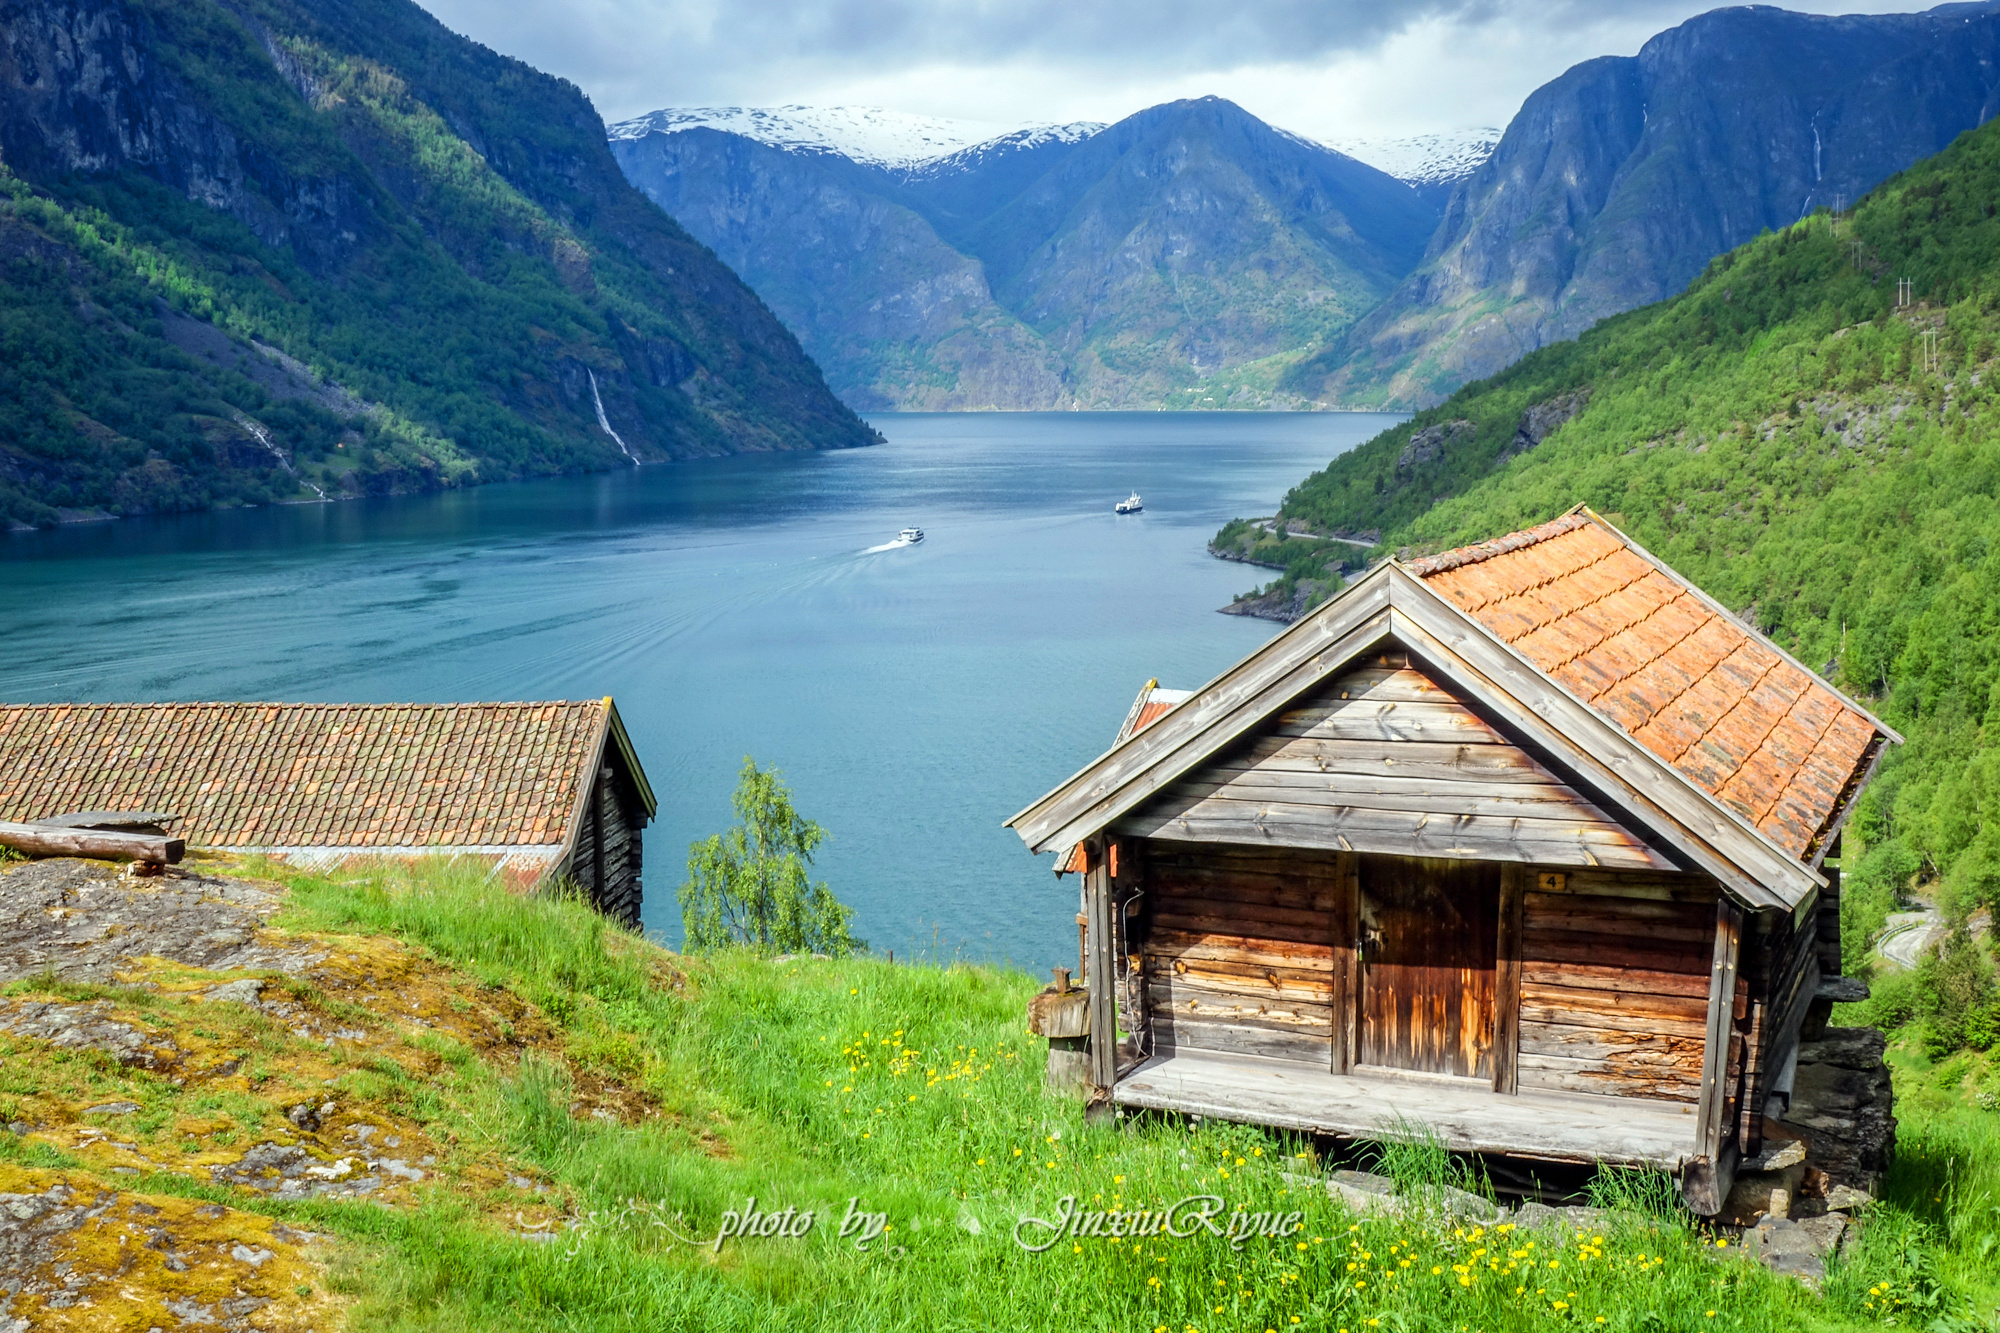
910,536
1130,506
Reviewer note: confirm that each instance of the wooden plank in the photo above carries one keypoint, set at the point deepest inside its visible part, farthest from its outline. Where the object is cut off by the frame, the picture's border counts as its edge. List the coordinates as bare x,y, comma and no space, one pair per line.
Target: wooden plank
1552,946
1631,885
1519,801
51,840
1604,1002
1286,984
1171,993
1403,684
1173,944
1582,976
1207,913
1293,894
1180,1029
1507,982
1593,1043
1345,934
1102,979
1557,1126
1394,833
1694,921
1446,723
1410,760
1537,1072
1715,1056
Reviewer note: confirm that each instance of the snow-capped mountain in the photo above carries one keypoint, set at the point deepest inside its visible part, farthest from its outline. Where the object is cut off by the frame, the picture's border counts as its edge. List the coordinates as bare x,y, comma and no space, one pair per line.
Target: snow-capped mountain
1425,159
950,265
874,135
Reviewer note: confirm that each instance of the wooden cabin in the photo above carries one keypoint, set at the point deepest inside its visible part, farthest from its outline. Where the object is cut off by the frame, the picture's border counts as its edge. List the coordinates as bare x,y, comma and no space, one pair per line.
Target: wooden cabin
544,792
1525,843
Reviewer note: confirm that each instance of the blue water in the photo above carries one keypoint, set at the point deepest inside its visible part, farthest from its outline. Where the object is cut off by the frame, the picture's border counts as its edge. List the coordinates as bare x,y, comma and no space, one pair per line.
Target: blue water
915,697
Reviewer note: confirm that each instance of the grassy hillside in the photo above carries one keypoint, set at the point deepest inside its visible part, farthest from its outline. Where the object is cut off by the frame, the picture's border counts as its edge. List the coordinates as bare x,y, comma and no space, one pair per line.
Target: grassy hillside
586,1109
297,247
1795,442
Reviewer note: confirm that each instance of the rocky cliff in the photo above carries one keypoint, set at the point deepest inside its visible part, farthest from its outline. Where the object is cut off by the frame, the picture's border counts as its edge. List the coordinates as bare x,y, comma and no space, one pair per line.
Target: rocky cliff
1620,180
279,249
895,316
1178,258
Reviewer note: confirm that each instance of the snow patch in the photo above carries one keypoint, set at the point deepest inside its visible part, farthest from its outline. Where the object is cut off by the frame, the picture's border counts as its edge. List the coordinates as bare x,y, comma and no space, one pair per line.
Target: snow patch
868,134
1425,159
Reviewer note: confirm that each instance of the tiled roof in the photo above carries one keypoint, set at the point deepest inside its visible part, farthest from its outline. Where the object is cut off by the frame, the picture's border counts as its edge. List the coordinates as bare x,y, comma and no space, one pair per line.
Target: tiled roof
1151,705
1690,682
308,775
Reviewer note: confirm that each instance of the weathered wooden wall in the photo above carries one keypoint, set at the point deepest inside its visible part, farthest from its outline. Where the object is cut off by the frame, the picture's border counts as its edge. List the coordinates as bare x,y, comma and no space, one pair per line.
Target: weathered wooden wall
1385,760
1781,970
607,855
1238,950
1614,983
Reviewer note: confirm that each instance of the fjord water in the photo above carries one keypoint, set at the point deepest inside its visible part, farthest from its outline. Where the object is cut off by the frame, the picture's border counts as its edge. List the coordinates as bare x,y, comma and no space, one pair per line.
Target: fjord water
914,696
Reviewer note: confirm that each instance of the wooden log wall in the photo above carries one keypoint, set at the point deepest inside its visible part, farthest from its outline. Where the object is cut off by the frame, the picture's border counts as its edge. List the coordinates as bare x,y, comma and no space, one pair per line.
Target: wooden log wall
1781,971
1238,950
1614,983
607,859
1375,763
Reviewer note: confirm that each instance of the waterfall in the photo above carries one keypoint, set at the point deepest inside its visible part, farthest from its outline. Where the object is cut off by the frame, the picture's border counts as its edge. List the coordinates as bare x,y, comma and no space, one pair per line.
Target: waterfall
604,422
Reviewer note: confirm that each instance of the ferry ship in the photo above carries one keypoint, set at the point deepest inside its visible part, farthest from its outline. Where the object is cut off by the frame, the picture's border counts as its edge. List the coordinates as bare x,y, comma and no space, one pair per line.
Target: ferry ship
1131,505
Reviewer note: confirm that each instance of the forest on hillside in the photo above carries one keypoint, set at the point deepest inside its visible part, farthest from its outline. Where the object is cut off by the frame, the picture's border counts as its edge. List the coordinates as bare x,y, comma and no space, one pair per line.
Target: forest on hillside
1811,433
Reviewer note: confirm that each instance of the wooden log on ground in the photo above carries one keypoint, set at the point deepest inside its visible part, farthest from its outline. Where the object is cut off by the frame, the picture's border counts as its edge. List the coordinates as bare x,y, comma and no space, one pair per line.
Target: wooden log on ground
49,840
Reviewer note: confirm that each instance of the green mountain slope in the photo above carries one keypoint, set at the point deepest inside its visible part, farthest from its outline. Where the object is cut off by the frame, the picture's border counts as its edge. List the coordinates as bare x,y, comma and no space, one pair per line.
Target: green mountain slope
1797,443
276,248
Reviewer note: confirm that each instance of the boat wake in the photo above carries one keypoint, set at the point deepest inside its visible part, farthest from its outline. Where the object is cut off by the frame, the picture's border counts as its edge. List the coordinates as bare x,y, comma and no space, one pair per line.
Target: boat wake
895,545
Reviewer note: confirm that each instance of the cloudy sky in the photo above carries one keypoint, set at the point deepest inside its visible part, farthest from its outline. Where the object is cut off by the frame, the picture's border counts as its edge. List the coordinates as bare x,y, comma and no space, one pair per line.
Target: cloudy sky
1331,69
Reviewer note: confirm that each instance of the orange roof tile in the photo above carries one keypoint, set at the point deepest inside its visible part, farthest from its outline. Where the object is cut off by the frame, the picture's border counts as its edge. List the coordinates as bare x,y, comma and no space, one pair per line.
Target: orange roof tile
1690,682
308,775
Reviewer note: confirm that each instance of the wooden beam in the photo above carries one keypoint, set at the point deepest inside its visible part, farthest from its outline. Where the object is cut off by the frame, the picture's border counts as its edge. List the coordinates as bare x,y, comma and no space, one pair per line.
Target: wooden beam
48,840
1103,975
1507,981
1721,1013
1346,919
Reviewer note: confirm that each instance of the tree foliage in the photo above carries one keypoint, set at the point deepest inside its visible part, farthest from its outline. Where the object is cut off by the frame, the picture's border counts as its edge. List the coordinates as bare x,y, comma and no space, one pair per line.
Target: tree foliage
750,885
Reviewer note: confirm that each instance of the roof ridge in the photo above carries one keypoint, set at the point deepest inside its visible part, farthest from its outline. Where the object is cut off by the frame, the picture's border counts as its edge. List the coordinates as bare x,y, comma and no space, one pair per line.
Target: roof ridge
1461,556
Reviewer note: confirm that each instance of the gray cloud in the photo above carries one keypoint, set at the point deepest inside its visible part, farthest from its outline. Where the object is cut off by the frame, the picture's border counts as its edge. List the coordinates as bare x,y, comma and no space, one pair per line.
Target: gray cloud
1050,59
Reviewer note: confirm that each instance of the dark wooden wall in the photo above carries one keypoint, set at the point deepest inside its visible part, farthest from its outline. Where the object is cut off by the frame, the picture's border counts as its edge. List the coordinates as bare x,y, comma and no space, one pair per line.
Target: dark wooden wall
1614,983
606,860
1238,950
1781,971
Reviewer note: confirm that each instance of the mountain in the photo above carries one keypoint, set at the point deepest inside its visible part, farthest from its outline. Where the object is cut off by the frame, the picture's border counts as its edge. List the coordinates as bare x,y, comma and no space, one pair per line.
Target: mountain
280,249
893,314
1618,181
1802,439
1181,257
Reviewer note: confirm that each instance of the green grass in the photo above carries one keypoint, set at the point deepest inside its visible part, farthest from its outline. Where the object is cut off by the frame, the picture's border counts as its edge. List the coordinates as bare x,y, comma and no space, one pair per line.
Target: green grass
915,1091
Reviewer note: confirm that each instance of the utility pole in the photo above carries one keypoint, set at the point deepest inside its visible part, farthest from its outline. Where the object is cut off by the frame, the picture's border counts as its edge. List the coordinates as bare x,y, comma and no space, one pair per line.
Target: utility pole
1932,359
1854,249
1903,293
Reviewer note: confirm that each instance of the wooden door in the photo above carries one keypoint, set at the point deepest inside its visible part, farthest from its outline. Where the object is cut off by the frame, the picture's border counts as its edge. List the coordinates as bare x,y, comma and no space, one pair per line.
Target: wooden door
1429,932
